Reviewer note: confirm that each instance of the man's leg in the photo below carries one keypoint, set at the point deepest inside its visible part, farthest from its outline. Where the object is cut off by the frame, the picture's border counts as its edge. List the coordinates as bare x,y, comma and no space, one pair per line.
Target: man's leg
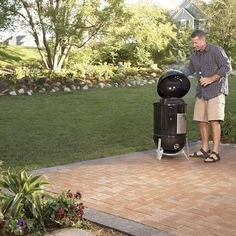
200,115
216,135
203,126
215,115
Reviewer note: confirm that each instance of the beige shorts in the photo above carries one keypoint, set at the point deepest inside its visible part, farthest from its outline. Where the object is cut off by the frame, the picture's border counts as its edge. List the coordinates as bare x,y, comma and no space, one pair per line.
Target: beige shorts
212,109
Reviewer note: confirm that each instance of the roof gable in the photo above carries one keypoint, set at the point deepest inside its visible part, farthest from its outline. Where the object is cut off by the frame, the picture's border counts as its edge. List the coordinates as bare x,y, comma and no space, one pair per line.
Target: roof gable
191,8
184,3
195,11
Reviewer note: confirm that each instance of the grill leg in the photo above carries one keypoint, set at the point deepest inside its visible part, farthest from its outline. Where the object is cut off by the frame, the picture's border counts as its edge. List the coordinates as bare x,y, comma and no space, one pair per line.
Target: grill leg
159,150
187,156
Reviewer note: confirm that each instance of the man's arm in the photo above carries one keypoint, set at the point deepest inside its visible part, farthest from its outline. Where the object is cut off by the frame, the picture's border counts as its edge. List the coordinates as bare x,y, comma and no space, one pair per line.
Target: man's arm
224,68
189,69
223,63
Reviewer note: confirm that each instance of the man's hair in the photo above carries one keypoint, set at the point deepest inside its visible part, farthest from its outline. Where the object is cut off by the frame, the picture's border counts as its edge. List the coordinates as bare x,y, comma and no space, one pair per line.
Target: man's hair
198,33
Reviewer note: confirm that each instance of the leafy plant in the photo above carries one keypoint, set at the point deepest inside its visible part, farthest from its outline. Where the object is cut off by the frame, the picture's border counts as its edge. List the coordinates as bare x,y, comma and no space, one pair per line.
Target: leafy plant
11,226
229,127
66,210
22,195
26,210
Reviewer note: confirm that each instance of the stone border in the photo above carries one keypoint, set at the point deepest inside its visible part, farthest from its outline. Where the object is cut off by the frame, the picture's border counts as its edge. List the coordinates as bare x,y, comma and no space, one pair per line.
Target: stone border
45,170
121,224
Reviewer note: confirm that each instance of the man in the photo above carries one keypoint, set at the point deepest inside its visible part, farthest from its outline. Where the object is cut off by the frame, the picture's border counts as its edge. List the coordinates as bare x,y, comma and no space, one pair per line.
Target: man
211,65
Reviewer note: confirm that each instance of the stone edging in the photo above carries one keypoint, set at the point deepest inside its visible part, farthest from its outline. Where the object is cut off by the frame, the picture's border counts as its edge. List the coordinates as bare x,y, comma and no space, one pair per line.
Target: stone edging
121,224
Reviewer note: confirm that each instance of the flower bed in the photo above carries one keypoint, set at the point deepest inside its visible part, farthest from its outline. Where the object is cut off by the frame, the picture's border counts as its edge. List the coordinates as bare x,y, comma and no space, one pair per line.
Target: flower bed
14,83
27,210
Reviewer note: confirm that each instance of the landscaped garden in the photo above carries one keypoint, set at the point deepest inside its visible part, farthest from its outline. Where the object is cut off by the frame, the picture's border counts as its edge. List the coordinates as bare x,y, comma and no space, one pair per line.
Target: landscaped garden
86,91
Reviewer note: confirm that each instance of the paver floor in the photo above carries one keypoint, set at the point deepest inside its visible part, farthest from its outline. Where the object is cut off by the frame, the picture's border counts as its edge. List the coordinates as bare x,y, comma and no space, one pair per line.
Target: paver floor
175,195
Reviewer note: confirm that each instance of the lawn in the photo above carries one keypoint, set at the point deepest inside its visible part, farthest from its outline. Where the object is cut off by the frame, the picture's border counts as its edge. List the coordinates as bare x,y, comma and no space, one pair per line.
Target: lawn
47,130
15,55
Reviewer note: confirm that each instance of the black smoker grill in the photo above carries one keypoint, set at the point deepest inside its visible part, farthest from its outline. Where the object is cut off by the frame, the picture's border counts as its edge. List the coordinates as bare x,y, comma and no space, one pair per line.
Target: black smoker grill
170,114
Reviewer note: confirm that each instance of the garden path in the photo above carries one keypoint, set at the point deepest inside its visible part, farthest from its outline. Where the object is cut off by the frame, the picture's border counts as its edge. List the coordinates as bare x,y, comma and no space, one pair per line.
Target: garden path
174,195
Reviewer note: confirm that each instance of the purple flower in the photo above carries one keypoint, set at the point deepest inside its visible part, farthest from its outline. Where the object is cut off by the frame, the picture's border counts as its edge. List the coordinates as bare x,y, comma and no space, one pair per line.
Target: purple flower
21,223
78,195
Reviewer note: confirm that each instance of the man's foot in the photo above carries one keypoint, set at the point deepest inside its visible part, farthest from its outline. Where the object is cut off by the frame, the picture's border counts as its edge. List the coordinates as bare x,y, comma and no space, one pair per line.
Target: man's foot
200,154
213,157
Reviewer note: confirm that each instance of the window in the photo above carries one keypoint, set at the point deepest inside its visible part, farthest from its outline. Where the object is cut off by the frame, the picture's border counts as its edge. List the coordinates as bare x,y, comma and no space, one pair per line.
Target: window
184,23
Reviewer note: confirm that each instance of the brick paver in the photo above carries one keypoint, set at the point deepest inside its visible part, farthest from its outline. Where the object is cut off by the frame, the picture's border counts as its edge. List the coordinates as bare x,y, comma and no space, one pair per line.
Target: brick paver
175,195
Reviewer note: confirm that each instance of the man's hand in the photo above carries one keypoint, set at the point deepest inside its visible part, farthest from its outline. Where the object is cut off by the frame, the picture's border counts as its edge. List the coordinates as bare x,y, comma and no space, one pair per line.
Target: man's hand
208,80
205,81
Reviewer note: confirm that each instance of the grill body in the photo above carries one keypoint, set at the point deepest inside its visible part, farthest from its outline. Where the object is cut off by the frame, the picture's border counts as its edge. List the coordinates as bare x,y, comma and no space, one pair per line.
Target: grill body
170,124
170,121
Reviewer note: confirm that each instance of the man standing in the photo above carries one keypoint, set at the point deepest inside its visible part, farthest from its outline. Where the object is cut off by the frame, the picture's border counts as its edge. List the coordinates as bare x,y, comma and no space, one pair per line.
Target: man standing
211,65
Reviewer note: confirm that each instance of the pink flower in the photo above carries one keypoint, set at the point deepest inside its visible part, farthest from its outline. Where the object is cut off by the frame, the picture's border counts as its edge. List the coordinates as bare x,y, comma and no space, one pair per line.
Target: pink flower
81,212
61,211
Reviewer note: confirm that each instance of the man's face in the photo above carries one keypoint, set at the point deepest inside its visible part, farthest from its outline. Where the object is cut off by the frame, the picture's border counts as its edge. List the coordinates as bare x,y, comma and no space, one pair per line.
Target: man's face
199,43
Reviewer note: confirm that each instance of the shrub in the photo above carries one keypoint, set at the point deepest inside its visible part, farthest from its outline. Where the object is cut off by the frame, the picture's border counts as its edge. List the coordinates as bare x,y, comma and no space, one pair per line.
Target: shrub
27,210
65,209
229,127
22,195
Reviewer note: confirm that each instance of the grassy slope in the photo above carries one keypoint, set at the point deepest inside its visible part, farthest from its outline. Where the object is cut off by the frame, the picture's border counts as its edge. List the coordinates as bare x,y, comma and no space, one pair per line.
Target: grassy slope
47,130
13,55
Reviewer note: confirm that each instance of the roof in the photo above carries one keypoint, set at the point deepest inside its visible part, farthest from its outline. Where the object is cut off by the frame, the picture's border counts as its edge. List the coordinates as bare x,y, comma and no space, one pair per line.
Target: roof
195,11
184,3
191,8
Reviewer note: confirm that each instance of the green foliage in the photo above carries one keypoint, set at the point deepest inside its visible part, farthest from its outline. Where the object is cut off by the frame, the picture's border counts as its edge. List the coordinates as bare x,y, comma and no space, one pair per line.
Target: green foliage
0,172
66,24
7,13
11,226
65,209
145,34
21,195
26,210
179,48
222,24
229,127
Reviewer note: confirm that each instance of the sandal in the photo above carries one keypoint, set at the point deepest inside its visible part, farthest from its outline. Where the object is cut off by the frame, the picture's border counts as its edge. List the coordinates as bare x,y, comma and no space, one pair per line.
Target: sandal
213,157
200,153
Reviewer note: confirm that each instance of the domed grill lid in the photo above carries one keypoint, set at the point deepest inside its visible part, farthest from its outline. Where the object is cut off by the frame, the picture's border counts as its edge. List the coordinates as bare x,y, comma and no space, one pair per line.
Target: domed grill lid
173,84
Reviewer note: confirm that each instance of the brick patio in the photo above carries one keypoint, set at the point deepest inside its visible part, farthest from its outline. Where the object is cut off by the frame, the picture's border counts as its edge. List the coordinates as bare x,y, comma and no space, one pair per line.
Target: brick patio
175,195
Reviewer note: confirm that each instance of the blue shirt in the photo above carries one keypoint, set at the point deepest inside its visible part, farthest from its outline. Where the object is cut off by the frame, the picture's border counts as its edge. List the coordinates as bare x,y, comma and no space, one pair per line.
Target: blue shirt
213,60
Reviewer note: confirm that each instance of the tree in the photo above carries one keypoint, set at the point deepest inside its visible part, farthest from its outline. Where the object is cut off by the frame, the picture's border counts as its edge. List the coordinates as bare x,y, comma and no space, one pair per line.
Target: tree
7,12
145,34
222,27
64,24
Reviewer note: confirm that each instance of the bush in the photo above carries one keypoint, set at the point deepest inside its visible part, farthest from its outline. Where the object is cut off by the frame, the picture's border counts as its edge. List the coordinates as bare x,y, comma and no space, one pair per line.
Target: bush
27,210
229,128
64,210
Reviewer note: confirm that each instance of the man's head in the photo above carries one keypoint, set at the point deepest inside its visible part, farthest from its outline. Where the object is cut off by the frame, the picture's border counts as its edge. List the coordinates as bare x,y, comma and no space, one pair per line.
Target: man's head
199,40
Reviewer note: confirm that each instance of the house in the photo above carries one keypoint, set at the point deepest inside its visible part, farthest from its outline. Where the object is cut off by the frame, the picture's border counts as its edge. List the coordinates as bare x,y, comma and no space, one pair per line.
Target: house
20,40
188,15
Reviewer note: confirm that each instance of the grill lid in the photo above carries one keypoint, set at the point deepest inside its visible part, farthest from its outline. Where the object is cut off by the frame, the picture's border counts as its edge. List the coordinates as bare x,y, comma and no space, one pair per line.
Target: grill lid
173,84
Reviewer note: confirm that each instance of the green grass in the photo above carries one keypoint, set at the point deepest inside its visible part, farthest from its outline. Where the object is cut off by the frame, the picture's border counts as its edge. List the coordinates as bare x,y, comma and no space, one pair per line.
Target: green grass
48,130
14,55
